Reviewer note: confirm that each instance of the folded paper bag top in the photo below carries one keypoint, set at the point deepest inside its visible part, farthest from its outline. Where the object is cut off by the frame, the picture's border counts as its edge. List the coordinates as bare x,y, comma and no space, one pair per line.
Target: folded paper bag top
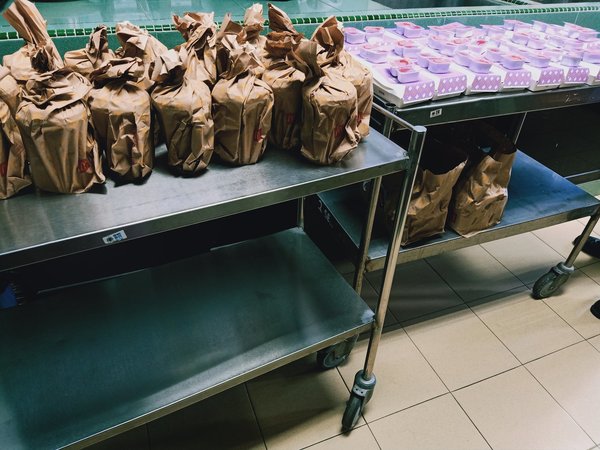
56,129
242,106
328,109
31,26
120,109
253,25
280,21
183,106
199,31
228,36
335,58
95,54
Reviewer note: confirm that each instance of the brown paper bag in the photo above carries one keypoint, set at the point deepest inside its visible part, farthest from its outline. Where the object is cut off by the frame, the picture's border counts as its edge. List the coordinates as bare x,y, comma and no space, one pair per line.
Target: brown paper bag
95,54
480,197
336,59
279,21
12,156
242,105
328,109
184,109
31,26
120,110
55,126
441,165
199,32
224,43
138,43
253,25
10,92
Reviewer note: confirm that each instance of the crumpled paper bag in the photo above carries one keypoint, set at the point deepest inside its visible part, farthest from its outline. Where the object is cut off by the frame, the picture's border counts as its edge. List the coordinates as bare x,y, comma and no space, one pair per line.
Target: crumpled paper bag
228,37
286,83
138,43
199,32
56,130
10,92
335,58
481,195
31,26
328,109
120,110
95,54
242,109
12,156
184,109
440,167
253,25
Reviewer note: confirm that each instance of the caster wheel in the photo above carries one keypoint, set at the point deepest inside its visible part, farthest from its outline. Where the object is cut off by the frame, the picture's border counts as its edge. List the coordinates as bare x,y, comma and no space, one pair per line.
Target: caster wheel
352,413
547,284
334,355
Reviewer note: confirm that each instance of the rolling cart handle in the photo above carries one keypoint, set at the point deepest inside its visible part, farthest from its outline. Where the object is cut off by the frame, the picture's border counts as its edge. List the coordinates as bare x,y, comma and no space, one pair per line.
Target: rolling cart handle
414,150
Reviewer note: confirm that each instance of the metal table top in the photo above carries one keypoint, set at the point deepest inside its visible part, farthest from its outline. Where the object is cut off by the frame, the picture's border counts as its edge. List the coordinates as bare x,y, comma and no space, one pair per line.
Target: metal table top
40,226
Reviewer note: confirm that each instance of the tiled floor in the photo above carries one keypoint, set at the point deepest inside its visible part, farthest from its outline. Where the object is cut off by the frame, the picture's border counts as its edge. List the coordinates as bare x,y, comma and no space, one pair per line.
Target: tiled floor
468,360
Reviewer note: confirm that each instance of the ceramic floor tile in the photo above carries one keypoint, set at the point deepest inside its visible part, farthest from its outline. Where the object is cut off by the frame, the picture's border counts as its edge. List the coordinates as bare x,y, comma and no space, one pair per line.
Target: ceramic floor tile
571,376
417,290
358,439
513,411
371,297
595,342
460,348
403,376
299,405
136,439
528,327
525,255
208,424
473,273
560,238
573,301
437,424
592,271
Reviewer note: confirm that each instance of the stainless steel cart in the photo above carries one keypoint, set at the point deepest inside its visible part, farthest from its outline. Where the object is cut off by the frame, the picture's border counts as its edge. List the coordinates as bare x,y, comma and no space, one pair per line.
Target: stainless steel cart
86,362
538,198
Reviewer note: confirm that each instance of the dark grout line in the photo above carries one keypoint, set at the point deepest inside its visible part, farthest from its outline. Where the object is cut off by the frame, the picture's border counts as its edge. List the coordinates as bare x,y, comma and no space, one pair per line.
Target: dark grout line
471,420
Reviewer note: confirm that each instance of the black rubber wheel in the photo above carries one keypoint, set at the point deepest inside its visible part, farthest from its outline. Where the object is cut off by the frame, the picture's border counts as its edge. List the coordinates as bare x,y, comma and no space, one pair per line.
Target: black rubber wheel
547,284
328,358
352,413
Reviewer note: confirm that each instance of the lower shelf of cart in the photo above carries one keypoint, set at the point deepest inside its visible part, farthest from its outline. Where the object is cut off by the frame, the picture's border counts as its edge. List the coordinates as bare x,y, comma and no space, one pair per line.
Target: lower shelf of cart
89,361
537,198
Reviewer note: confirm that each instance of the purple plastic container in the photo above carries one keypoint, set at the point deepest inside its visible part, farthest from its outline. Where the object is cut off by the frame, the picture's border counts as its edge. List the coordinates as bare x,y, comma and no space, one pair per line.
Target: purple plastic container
520,38
512,61
592,56
435,42
407,75
493,54
572,44
354,35
510,24
423,59
571,59
538,59
374,53
464,31
539,25
413,31
439,65
463,58
480,65
374,32
399,63
555,55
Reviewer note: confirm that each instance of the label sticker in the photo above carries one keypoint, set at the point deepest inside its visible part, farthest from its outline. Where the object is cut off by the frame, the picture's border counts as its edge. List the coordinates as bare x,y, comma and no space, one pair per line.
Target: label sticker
435,113
115,237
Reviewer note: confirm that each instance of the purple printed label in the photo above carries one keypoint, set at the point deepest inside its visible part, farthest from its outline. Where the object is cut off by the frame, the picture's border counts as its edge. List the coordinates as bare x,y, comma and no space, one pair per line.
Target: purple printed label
419,90
517,78
551,76
577,75
451,83
486,83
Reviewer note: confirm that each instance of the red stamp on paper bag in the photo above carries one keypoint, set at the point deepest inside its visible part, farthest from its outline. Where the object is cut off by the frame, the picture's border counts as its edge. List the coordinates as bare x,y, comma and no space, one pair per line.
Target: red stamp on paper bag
289,118
338,130
83,166
258,135
4,169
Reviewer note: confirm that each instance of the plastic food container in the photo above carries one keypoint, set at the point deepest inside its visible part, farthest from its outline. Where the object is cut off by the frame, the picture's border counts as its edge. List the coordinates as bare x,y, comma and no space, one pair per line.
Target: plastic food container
587,35
374,32
400,26
480,65
407,75
493,54
539,25
512,61
406,48
435,42
463,31
413,31
592,56
463,58
572,44
494,31
374,53
510,24
439,65
443,32
423,59
399,63
538,59
520,38
354,35
536,41
554,54
571,59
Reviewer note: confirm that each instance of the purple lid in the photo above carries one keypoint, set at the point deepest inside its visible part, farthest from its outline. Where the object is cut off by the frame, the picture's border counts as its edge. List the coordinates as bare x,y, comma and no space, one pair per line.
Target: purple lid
520,38
439,65
493,54
480,65
539,25
554,54
538,59
354,36
571,59
407,75
510,24
572,44
463,58
423,59
374,53
413,30
435,42
512,61
592,56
